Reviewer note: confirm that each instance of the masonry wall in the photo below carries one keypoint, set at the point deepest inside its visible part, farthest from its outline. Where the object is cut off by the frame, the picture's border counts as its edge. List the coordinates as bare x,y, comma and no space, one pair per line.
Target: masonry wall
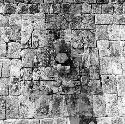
62,62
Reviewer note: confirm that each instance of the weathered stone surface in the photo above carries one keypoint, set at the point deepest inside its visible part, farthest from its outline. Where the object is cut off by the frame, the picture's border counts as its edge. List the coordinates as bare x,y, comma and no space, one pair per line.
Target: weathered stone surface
99,106
12,110
109,48
114,32
111,104
96,8
109,84
105,19
4,86
102,32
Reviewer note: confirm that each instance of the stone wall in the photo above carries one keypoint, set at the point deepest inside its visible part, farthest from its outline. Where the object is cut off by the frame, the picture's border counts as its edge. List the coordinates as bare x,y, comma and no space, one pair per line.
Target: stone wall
62,62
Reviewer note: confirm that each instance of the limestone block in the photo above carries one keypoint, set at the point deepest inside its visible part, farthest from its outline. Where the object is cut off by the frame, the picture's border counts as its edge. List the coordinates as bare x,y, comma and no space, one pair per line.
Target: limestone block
10,9
105,65
2,107
121,105
109,83
14,86
114,32
88,21
117,120
12,104
111,105
27,108
122,32
104,120
96,8
4,86
116,66
121,85
4,21
3,51
101,32
107,9
86,8
109,48
14,50
105,19
99,105
27,57
15,67
5,68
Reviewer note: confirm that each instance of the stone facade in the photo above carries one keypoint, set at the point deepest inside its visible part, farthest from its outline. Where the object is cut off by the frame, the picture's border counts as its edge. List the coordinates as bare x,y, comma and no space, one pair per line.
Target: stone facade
62,62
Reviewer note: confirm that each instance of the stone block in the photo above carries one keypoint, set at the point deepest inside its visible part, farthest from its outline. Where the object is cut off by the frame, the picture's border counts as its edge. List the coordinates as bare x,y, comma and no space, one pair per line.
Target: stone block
118,9
14,50
76,23
72,104
27,108
34,8
114,32
121,105
99,106
117,120
102,1
12,107
44,107
14,86
96,87
121,85
74,120
2,6
94,56
27,57
3,51
105,65
5,68
109,83
56,8
86,8
26,73
10,121
62,120
4,86
122,32
105,19
101,32
15,67
57,106
116,66
111,66
88,21
15,19
103,120
89,38
85,105
96,8
46,121
120,19
2,107
4,21
22,8
94,72
111,105
9,1
87,119
109,48
107,9
10,9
